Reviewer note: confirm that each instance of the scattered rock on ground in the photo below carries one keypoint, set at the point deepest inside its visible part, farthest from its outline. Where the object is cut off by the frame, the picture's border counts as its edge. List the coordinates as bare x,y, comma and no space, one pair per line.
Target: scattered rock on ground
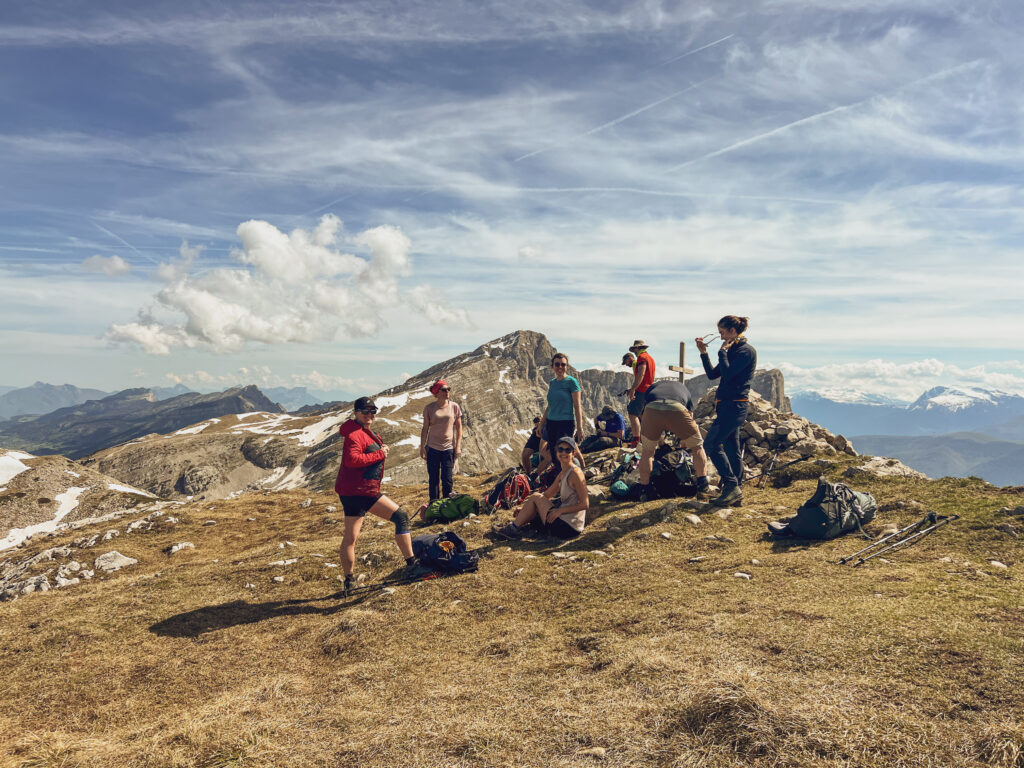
692,519
114,561
180,546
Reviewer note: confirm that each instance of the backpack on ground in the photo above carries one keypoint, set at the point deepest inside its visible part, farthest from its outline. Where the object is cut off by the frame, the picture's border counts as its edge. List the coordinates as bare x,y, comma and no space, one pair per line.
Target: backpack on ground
511,489
672,475
833,510
451,508
595,443
445,552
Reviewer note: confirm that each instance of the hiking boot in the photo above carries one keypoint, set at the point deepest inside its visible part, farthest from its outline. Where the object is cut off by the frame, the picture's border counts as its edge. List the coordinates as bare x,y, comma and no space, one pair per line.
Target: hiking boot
509,532
702,484
349,585
731,496
415,571
647,493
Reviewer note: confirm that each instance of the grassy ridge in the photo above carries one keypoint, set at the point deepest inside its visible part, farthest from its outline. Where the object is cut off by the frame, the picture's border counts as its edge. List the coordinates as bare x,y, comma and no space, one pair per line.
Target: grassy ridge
642,655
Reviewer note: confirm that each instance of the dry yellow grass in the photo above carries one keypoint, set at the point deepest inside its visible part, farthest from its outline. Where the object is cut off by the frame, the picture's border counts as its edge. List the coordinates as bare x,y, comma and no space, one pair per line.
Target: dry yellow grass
642,652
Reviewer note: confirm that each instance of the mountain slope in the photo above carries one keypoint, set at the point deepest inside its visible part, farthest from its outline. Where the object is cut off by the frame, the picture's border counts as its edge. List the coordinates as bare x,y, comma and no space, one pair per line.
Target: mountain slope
501,386
960,454
44,398
79,430
635,645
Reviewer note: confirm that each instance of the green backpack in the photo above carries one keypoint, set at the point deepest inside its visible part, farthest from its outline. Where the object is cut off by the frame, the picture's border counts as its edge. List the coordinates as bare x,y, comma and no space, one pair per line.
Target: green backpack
452,508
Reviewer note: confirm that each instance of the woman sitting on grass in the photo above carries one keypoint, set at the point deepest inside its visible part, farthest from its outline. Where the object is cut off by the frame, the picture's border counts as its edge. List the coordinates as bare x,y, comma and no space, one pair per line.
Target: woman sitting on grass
564,520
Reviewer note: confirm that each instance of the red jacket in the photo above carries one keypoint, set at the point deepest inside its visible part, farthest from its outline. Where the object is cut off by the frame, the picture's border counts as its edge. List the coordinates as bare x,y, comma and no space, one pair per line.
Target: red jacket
362,461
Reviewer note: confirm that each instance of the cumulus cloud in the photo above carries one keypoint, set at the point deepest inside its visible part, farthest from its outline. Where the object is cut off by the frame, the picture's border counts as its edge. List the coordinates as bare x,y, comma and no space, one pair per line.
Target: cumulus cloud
111,266
530,253
902,381
264,376
289,287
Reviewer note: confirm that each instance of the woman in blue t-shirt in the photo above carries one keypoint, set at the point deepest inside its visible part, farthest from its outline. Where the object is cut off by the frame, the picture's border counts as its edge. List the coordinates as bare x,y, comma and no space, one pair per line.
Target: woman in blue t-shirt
564,415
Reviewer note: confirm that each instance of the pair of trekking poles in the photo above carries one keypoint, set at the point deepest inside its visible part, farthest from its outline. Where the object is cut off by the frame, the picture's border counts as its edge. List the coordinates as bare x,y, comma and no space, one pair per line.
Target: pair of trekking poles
904,537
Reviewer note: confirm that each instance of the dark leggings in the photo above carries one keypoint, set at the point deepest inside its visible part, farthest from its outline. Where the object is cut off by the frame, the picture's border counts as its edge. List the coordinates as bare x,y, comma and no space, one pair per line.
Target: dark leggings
722,443
439,471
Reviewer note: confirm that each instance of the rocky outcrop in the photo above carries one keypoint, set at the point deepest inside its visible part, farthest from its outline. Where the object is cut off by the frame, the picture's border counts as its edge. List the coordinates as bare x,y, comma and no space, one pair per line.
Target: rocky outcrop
38,493
769,384
878,466
79,430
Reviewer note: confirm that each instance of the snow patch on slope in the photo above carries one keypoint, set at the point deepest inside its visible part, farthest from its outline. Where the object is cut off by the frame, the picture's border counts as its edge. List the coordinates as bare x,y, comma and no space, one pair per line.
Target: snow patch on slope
66,503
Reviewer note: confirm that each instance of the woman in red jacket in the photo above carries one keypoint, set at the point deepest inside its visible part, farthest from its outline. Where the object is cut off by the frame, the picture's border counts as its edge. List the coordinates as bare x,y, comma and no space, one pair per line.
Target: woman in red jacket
358,487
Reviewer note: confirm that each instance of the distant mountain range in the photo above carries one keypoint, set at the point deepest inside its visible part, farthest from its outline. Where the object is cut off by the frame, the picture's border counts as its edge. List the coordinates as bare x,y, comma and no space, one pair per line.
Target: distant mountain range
41,398
940,410
960,454
79,430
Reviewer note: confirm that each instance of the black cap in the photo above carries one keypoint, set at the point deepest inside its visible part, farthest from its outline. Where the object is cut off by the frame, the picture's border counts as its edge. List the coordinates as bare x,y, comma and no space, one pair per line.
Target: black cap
364,404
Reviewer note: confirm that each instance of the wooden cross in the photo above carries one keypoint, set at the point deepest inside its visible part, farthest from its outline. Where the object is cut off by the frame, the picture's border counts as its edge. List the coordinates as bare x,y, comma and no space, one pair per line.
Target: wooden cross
681,369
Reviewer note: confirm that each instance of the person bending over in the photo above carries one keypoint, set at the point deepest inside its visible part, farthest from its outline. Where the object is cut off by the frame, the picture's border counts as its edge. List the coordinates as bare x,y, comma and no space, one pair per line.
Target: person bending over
441,439
668,407
358,487
564,519
609,431
564,412
736,363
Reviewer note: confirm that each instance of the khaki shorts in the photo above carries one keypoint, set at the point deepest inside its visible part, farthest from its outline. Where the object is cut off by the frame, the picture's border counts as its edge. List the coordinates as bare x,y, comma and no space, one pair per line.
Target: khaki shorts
670,416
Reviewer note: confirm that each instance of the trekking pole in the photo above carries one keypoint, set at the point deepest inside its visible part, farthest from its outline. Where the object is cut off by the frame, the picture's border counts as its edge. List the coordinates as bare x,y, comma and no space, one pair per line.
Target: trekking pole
766,474
890,537
913,538
767,471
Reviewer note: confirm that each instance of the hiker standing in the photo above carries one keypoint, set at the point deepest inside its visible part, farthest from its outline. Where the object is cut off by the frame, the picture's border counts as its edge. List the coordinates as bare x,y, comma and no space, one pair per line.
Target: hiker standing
564,413
358,488
669,407
643,378
736,363
563,519
441,439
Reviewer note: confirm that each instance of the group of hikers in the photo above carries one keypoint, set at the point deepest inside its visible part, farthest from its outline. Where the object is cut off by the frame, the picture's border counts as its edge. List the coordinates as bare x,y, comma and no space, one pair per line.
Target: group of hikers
559,508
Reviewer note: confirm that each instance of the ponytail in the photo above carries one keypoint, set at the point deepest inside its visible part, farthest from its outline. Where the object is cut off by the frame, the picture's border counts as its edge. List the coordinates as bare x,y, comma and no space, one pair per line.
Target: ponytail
734,323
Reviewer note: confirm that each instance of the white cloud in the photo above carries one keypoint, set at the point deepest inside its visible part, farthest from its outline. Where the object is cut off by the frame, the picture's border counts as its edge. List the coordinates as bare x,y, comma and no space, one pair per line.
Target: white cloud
294,287
264,376
111,266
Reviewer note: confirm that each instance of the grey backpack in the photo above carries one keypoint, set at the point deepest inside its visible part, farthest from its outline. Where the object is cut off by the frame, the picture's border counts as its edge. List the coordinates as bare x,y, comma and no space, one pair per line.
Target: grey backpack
833,510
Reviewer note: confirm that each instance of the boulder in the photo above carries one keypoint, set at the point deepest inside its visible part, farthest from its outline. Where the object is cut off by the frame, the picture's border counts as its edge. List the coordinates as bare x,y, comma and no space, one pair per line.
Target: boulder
114,561
880,466
195,480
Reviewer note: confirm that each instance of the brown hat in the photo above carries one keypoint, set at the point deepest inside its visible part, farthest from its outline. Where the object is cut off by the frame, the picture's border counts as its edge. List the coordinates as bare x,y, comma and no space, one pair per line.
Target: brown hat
639,344
628,358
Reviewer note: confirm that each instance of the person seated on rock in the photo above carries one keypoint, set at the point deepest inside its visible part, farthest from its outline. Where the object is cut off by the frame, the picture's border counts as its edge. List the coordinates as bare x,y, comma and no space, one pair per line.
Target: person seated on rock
358,487
564,518
668,408
564,412
643,378
441,439
609,431
736,363
534,446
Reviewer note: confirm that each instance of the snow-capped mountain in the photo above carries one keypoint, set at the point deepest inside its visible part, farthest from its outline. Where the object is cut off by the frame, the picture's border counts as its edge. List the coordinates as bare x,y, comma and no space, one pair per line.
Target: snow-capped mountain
939,410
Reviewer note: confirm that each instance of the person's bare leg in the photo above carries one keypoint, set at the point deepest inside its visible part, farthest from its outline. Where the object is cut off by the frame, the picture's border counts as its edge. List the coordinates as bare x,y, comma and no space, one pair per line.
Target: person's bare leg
700,461
383,509
348,543
646,464
528,511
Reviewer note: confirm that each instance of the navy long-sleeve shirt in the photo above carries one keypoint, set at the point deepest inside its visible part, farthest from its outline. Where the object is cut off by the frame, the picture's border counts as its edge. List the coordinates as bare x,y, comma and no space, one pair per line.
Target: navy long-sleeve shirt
736,369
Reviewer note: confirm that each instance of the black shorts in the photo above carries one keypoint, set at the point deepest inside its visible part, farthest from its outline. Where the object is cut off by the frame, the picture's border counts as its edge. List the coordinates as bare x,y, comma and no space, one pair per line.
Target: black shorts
358,506
558,529
556,430
534,442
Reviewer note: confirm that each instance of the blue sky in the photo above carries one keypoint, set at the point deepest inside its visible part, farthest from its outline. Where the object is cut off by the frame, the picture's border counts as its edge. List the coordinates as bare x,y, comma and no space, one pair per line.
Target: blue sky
337,194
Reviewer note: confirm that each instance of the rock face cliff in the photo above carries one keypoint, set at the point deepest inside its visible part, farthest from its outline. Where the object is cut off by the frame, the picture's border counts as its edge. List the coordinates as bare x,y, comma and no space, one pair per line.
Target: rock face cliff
501,386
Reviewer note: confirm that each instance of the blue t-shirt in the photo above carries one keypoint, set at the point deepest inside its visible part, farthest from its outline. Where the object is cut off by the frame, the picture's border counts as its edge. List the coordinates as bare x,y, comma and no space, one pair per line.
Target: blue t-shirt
560,398
613,423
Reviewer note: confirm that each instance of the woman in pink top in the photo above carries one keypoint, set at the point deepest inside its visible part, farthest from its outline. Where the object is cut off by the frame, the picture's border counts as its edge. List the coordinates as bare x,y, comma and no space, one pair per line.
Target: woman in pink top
441,439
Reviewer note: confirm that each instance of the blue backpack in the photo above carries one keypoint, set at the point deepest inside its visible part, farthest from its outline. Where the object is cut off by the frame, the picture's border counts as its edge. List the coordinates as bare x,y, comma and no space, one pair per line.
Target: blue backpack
445,552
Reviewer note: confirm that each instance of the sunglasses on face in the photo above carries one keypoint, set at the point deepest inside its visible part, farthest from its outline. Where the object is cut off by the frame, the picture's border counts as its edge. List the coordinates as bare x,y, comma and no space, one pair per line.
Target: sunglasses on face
563,449
444,389
370,411
559,365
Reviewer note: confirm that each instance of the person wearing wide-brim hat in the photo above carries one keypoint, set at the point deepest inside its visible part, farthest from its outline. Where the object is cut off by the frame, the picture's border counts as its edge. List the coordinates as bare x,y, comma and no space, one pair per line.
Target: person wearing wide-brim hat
564,519
643,378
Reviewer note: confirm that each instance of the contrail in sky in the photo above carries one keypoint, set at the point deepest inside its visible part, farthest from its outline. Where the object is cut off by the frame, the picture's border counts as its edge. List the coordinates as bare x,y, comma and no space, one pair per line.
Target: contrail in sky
126,243
616,121
818,116
697,50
